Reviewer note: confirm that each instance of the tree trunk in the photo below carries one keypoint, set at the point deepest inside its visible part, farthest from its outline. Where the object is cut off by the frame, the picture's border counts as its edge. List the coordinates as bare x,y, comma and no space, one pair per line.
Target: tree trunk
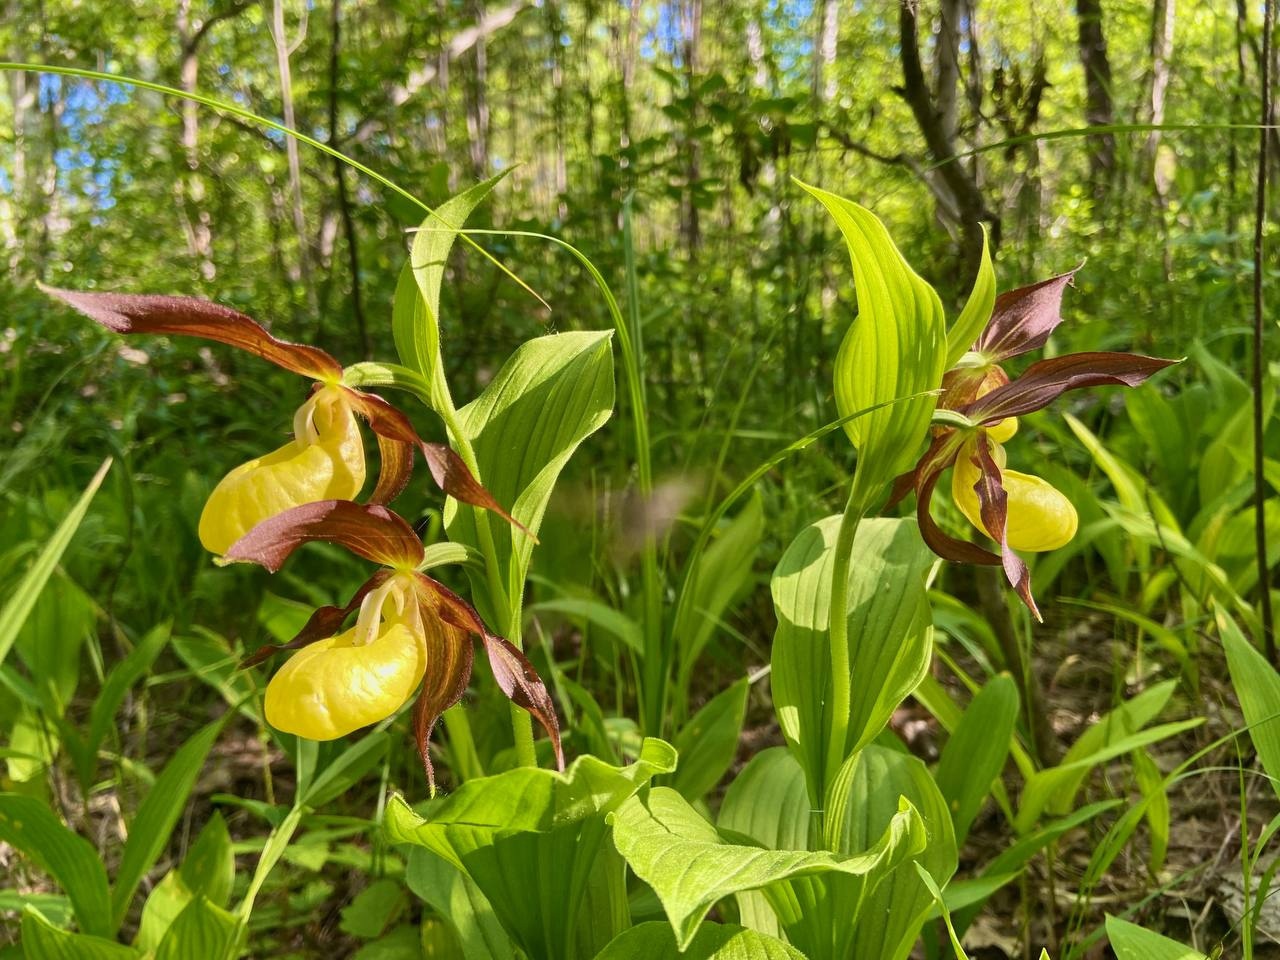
691,29
340,176
824,51
283,52
478,104
947,66
1162,23
1097,86
970,209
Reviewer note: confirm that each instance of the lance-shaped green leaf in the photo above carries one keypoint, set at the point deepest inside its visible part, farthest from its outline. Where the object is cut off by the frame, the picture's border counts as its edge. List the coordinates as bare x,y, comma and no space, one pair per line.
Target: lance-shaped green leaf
977,309
1132,942
415,315
1257,687
43,941
30,827
896,347
690,866
203,929
719,576
890,635
714,941
708,743
549,396
976,751
536,844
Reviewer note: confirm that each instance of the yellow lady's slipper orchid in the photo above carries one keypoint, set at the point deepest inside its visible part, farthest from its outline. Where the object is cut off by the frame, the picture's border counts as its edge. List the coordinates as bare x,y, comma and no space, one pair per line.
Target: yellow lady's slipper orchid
324,461
1039,517
359,677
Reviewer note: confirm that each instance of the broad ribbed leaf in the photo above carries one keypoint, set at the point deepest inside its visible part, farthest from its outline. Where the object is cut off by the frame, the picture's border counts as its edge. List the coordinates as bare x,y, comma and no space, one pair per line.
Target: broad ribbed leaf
767,803
1257,687
1132,942
549,396
159,812
896,347
714,941
708,743
690,866
43,941
201,930
865,797
30,827
536,844
976,752
459,901
890,635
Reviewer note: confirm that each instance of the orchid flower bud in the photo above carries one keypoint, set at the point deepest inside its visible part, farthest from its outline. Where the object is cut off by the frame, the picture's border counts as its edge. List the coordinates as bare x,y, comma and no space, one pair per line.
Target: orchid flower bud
324,461
359,677
1039,517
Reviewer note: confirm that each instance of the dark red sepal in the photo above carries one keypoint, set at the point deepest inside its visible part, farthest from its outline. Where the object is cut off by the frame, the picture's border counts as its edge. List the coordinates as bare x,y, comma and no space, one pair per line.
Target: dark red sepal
523,687
1023,319
994,505
367,530
1046,380
447,469
325,622
190,317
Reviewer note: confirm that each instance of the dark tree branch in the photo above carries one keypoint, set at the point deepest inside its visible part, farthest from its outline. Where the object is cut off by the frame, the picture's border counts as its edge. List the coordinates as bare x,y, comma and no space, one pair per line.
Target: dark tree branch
969,203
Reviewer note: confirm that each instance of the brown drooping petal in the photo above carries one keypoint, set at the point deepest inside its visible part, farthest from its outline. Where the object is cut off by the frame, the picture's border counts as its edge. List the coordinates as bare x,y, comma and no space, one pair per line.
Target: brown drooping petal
448,470
449,657
994,503
190,317
395,471
1046,380
523,687
324,622
943,544
1023,319
367,530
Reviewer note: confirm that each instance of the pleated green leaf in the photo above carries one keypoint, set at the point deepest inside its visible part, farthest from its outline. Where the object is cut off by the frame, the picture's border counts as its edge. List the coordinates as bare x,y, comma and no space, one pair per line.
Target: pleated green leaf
43,941
890,635
202,930
1132,942
415,314
157,815
690,866
896,347
976,751
536,844
977,309
549,396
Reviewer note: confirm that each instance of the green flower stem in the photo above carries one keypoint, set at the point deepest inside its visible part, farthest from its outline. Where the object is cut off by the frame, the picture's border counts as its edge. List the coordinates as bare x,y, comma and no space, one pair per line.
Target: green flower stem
838,633
507,604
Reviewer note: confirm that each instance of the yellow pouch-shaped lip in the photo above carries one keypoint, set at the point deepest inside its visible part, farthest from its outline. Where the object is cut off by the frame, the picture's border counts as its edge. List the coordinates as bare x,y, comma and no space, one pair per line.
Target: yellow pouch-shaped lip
1039,516
324,461
332,687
